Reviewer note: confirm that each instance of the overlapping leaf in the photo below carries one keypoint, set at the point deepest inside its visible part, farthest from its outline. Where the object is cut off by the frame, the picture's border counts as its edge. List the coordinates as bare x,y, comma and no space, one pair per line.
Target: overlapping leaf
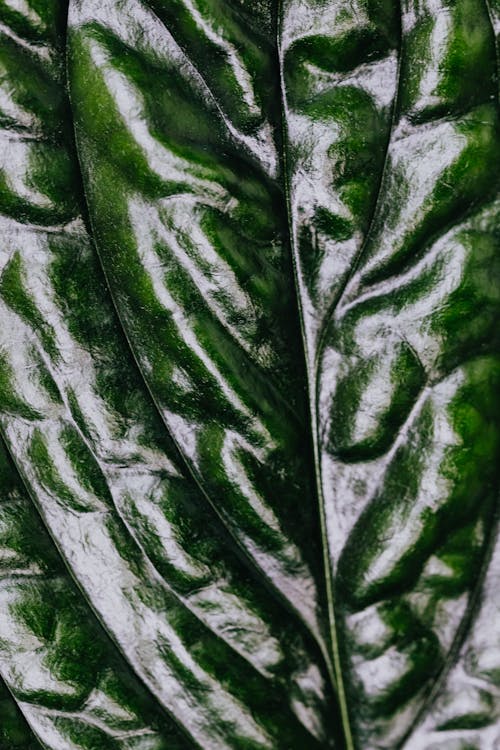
191,228
268,525
74,691
132,529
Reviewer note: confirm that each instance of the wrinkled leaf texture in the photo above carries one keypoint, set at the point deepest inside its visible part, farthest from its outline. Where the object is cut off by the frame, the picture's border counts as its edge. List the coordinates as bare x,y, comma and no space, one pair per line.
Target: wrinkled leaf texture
249,296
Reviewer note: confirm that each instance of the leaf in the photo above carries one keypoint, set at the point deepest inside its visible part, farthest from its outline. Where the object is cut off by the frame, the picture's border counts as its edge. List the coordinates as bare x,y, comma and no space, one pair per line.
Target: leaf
403,357
260,426
152,564
197,261
72,687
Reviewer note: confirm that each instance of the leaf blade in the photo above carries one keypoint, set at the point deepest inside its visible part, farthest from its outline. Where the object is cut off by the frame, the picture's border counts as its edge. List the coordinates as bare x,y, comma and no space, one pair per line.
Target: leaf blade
386,161
223,403
109,488
436,209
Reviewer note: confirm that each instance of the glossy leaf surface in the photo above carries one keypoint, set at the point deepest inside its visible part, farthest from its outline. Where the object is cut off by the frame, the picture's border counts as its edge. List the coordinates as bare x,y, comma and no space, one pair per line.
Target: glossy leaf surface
249,374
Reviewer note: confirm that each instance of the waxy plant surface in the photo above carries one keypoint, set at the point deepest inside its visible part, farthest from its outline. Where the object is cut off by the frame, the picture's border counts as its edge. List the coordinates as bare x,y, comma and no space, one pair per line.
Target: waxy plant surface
249,375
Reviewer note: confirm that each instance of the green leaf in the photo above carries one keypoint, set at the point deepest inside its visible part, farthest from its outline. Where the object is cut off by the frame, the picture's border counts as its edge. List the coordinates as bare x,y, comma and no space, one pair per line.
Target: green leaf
132,529
405,363
192,231
249,373
72,687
